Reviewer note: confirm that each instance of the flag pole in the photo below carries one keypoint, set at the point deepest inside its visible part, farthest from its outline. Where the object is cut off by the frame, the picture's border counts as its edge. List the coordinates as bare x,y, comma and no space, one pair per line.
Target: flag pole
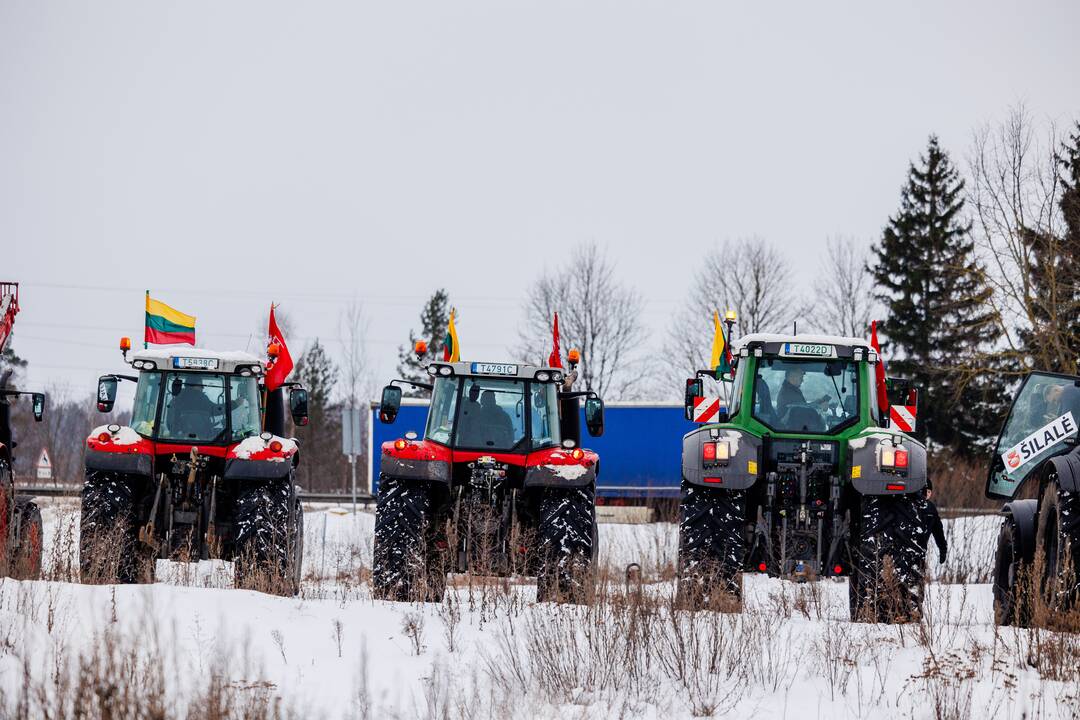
147,307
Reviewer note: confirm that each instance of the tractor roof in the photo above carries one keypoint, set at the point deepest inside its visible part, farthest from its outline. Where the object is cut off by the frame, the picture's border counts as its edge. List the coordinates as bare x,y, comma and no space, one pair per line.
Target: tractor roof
517,371
774,342
182,359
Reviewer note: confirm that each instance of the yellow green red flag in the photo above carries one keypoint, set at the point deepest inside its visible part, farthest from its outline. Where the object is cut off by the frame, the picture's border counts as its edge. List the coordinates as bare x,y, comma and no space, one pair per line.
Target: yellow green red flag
720,362
451,351
166,325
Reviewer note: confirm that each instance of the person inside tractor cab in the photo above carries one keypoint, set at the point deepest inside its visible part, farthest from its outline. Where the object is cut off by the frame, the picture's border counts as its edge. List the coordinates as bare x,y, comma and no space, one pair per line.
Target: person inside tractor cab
791,393
484,423
188,413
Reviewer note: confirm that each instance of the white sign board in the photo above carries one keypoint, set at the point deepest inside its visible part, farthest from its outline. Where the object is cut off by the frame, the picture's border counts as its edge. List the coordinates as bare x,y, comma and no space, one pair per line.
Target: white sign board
351,437
44,466
1039,442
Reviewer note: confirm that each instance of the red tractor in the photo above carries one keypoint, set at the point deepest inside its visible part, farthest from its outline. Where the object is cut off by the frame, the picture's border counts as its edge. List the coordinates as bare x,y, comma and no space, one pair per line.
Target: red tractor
202,471
498,484
20,518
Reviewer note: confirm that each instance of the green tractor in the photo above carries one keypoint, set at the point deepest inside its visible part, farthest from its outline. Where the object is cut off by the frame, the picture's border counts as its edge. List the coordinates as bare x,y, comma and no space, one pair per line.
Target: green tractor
803,477
1035,568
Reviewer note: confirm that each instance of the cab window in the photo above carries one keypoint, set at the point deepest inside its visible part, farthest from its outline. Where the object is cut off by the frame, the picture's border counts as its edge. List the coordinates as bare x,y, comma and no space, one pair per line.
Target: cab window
806,396
193,408
1043,416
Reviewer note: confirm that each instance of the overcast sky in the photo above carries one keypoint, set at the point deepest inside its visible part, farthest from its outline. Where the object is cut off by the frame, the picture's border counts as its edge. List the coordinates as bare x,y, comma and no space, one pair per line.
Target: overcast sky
224,154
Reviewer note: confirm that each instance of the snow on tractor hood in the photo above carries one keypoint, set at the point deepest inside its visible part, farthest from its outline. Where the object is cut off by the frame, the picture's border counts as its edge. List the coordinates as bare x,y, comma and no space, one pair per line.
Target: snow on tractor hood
123,436
255,448
228,361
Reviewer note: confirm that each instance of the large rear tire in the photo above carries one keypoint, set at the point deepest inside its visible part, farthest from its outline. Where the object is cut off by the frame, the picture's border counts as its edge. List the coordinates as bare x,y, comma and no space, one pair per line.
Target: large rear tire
109,548
269,550
406,565
712,547
886,583
1011,578
566,535
1057,542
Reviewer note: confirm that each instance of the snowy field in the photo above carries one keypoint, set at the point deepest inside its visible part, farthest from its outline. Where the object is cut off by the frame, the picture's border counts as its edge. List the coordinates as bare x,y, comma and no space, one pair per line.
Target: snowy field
191,646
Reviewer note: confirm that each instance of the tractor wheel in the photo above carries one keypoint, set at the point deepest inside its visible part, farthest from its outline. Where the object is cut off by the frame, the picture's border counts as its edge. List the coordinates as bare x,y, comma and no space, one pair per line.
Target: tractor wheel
886,583
109,547
407,567
1057,542
1011,598
268,552
712,547
566,539
25,560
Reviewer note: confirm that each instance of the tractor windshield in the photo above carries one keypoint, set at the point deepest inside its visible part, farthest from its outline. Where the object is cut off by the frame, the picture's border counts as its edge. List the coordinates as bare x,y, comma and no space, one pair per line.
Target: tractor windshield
147,393
495,414
244,420
194,408
806,396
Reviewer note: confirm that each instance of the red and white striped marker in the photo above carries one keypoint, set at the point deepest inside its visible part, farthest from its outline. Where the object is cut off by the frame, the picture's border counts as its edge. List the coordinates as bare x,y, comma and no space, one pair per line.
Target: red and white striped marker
705,409
902,418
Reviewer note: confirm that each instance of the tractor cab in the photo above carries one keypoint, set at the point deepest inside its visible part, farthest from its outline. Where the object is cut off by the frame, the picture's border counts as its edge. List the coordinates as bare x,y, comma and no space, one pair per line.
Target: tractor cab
499,408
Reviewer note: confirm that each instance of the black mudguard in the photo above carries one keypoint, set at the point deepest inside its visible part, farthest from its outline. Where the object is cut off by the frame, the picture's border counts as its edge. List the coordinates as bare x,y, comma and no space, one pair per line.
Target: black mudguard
429,470
1068,470
1025,515
743,468
123,463
561,475
239,469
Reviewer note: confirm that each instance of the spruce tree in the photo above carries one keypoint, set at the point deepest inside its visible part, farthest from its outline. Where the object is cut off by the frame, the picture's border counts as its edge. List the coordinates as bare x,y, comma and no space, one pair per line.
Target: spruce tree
433,321
938,324
1069,165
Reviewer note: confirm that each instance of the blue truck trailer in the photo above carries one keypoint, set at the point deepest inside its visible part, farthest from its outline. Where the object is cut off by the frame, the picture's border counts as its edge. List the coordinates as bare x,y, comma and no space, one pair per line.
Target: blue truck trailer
640,451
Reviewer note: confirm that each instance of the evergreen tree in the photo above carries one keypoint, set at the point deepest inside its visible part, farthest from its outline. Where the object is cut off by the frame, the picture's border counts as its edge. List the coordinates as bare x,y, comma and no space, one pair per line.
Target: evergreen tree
323,464
1053,270
433,321
939,322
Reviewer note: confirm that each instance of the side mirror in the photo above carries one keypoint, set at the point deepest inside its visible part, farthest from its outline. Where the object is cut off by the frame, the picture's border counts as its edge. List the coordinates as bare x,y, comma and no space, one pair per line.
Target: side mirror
298,405
390,404
106,394
694,389
594,416
38,400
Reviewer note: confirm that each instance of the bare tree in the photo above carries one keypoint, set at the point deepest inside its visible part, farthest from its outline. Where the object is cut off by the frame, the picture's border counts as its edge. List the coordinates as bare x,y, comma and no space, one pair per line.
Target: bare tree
597,314
1015,193
843,290
353,325
748,276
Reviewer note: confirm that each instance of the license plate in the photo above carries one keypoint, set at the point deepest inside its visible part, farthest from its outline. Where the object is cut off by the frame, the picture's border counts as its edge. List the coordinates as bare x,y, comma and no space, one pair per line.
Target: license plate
193,363
808,350
494,369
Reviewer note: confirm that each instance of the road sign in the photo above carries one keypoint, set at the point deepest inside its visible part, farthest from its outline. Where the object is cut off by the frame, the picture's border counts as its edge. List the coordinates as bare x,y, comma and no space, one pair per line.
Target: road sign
351,437
44,466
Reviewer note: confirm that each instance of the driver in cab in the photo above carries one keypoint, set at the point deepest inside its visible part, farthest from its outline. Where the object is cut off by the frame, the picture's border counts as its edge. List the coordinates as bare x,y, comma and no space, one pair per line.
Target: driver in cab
489,425
190,410
791,393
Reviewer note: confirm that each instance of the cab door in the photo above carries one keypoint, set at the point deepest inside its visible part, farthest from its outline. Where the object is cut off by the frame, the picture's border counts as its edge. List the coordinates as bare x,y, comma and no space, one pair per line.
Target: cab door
1042,423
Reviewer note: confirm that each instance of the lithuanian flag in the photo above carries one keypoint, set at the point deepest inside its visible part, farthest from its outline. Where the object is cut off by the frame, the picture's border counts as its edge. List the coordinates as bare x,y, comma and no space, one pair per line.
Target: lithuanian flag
451,351
721,354
165,325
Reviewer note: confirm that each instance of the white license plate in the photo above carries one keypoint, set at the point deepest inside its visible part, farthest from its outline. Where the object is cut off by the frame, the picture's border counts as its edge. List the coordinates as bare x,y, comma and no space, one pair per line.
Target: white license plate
191,363
494,369
808,350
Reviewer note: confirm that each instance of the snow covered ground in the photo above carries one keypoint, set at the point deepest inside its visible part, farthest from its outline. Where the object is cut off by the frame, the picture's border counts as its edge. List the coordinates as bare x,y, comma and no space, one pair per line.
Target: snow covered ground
490,651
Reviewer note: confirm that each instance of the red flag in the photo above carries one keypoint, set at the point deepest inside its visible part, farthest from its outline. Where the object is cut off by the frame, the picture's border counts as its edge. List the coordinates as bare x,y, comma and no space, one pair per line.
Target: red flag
879,371
279,367
554,360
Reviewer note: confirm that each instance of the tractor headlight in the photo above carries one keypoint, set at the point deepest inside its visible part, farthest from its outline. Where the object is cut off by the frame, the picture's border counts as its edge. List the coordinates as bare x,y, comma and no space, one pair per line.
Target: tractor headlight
446,370
543,376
